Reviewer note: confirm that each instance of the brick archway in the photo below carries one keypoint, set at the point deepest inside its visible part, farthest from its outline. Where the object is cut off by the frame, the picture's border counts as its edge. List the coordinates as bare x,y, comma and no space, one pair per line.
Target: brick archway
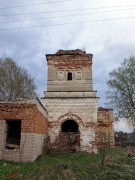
70,136
68,116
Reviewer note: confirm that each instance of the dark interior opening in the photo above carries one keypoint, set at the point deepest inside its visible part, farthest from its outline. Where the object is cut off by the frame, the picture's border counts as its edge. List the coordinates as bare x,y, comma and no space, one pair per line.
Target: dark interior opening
13,134
69,77
69,126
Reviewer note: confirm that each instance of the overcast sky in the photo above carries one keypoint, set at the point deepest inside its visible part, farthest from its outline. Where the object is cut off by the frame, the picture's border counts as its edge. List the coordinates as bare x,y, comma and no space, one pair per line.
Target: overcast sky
31,29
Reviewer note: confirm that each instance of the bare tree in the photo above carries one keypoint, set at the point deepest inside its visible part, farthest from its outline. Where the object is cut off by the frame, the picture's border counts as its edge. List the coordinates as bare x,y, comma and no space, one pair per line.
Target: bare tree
121,93
15,82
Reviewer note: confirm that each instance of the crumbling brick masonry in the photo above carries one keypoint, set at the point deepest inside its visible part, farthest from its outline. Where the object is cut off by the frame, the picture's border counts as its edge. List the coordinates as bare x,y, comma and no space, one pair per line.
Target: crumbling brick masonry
67,118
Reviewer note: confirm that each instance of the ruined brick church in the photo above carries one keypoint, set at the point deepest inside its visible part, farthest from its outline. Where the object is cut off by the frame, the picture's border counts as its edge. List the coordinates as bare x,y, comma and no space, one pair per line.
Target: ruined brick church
66,119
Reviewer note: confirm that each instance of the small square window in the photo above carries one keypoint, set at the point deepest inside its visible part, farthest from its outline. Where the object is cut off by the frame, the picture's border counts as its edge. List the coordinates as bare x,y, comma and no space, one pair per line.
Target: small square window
60,75
78,75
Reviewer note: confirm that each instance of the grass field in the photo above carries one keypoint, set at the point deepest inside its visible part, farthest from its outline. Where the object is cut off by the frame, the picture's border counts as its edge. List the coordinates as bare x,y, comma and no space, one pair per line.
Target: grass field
72,166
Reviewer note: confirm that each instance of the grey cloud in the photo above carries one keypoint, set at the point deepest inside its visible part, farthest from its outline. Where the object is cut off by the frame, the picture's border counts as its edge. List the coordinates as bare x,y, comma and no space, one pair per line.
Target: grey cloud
109,42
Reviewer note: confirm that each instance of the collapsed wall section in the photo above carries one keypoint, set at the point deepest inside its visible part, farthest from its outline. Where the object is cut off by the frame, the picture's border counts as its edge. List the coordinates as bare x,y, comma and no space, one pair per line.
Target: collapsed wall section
31,119
105,128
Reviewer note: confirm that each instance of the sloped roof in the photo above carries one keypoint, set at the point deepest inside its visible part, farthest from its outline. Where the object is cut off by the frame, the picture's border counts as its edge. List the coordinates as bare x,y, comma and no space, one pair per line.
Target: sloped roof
131,139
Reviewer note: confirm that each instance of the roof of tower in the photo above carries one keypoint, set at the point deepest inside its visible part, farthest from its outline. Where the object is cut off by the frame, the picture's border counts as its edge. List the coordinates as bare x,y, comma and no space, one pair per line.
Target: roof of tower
71,52
131,138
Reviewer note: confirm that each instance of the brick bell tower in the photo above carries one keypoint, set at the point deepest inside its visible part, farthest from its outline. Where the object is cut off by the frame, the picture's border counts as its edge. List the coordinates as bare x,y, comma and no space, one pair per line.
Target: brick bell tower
70,100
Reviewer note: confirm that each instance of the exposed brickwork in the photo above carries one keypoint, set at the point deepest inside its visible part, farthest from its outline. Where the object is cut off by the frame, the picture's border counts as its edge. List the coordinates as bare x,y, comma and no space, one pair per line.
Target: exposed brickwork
105,126
34,128
78,63
32,120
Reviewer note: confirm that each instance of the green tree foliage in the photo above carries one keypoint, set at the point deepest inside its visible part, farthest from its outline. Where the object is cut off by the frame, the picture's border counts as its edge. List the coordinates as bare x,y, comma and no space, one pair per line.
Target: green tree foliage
121,91
15,82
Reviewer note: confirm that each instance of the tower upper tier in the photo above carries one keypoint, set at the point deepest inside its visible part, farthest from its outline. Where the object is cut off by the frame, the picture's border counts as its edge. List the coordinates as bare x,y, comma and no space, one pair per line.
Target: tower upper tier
69,71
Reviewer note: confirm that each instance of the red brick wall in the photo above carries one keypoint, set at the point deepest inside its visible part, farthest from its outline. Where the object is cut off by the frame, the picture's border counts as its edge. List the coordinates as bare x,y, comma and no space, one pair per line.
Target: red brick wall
105,124
32,119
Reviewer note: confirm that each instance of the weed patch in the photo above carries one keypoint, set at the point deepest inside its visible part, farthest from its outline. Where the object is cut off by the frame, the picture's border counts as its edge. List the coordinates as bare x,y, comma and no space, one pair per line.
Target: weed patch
72,166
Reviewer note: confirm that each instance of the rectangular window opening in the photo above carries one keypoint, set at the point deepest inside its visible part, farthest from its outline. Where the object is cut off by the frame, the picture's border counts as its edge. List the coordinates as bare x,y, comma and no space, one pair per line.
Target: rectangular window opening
69,76
13,134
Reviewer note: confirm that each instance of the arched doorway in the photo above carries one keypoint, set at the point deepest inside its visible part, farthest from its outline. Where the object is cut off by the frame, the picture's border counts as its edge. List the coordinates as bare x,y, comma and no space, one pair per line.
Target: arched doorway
69,136
69,126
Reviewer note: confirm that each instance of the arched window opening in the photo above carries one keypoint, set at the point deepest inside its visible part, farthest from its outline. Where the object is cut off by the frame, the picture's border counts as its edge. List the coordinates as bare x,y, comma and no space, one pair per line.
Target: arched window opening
69,76
69,126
